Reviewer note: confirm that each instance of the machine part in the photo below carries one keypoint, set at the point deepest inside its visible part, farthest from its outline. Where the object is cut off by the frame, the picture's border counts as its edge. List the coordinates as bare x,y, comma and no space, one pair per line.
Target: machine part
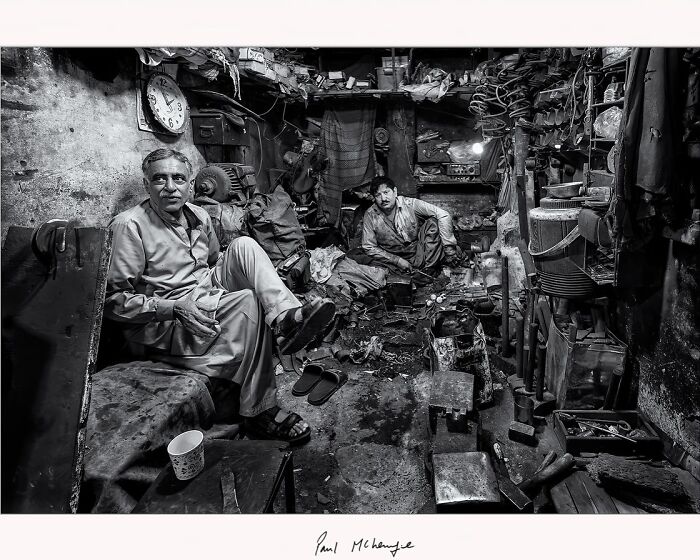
522,433
505,309
381,136
469,169
225,182
558,249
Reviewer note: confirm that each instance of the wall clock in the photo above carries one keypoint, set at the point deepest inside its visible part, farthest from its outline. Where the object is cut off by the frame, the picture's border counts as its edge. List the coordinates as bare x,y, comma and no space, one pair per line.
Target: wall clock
166,103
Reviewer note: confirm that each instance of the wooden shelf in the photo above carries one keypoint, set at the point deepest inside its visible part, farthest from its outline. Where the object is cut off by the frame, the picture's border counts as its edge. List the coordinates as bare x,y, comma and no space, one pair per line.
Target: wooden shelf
447,180
617,103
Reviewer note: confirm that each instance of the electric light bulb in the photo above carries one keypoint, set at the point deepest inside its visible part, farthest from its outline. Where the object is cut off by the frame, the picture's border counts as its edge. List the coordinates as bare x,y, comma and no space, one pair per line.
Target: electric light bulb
477,147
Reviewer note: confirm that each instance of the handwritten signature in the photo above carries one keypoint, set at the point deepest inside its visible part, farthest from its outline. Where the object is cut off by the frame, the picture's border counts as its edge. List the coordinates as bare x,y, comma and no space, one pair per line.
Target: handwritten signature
325,546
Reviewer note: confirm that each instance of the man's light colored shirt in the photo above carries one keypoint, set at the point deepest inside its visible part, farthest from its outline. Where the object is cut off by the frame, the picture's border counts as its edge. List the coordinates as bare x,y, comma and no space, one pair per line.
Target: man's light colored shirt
155,263
379,235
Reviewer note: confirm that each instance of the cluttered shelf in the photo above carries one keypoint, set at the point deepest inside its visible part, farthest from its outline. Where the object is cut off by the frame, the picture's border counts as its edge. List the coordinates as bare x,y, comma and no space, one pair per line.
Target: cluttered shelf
454,92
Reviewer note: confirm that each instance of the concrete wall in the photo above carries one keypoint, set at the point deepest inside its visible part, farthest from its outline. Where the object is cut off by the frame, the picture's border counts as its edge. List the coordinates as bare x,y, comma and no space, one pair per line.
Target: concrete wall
71,147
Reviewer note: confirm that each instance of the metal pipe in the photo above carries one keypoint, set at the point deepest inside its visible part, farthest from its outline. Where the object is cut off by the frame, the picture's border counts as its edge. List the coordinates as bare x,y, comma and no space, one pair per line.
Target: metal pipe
519,345
505,309
531,355
541,355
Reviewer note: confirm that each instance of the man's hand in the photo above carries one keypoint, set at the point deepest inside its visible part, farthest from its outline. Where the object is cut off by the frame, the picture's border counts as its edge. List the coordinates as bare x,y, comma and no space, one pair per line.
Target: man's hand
453,254
404,266
192,318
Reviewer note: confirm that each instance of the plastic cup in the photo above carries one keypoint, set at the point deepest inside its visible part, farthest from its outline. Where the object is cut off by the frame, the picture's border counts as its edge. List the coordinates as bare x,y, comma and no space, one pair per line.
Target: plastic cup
187,454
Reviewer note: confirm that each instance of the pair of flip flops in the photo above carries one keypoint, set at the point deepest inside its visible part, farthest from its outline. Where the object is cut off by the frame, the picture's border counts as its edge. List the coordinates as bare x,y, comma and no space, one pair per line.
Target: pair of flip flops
319,383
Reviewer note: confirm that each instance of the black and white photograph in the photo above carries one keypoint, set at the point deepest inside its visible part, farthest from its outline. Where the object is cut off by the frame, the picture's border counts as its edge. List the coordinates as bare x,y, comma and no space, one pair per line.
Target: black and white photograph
328,279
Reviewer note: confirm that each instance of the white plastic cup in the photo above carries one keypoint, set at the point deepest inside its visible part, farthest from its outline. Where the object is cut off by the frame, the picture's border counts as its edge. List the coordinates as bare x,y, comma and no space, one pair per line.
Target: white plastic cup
187,454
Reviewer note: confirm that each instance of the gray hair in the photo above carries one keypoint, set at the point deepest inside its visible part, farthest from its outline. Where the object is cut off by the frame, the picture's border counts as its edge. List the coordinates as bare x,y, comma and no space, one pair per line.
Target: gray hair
164,153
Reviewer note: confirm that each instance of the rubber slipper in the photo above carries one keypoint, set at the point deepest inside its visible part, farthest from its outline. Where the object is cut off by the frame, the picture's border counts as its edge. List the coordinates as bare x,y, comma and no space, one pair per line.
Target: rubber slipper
316,315
308,380
275,424
331,381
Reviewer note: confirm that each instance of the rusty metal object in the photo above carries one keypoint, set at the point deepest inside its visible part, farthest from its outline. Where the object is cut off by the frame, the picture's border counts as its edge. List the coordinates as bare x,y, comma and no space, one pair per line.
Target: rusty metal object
505,309
464,478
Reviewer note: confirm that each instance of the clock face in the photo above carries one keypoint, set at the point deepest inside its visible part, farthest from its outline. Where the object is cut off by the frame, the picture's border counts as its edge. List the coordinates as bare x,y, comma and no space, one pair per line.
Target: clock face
167,103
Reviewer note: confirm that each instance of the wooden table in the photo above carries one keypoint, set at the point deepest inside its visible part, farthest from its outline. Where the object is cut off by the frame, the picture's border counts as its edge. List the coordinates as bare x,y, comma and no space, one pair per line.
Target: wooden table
259,468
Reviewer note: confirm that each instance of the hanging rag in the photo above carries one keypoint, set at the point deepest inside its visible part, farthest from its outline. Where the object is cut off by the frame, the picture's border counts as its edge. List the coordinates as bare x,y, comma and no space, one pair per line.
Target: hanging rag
647,170
347,142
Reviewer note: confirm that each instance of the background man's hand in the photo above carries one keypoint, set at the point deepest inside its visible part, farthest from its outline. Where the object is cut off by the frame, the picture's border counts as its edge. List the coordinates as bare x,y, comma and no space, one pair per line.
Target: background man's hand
404,265
453,254
192,318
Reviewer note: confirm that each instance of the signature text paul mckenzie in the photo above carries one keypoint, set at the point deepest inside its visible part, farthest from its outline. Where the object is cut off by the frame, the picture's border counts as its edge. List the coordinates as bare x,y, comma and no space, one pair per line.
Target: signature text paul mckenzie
325,546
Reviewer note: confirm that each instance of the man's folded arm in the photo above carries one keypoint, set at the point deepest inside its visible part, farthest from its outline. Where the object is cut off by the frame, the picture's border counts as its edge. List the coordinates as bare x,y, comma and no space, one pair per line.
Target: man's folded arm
427,210
122,303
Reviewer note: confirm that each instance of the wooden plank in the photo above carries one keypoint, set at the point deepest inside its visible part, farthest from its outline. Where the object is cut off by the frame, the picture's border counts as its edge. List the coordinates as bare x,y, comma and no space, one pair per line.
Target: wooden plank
623,507
51,324
402,143
601,499
577,489
563,502
255,465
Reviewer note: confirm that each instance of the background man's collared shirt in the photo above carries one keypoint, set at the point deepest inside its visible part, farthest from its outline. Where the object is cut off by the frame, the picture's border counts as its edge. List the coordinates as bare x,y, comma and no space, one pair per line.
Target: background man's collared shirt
380,235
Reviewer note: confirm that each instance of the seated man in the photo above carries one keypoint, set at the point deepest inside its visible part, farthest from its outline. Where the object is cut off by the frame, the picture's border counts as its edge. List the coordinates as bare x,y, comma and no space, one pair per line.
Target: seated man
393,237
191,306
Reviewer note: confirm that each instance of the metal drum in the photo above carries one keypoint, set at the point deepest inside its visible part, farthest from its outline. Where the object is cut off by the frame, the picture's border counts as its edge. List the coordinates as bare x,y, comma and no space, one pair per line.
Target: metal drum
550,224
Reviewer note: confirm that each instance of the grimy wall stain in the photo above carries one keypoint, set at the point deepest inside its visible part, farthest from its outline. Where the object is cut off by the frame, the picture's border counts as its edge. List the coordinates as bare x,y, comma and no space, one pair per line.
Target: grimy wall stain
664,339
71,147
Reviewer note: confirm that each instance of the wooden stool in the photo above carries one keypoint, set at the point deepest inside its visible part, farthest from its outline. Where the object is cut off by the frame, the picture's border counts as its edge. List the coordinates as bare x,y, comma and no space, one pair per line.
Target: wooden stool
259,468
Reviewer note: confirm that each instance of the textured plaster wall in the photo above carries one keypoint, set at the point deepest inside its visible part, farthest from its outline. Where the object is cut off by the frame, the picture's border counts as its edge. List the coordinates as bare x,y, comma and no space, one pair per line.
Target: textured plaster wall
662,331
669,377
71,147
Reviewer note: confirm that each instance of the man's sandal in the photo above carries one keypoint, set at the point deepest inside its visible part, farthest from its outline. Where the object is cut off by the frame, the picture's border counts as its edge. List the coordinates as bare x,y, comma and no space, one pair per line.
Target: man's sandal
292,335
276,424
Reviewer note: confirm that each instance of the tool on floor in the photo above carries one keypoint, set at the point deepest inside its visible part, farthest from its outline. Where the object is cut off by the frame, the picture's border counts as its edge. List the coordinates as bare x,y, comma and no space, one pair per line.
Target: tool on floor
523,407
507,488
562,465
544,402
594,426
465,479
228,490
531,356
451,394
517,431
613,392
516,380
505,309
549,458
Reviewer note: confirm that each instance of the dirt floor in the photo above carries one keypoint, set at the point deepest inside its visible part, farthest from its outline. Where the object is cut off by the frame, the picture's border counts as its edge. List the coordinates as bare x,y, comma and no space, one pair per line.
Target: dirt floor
370,445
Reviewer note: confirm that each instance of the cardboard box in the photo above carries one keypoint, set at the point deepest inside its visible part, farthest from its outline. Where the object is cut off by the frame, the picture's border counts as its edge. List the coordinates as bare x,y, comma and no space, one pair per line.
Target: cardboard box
265,69
258,54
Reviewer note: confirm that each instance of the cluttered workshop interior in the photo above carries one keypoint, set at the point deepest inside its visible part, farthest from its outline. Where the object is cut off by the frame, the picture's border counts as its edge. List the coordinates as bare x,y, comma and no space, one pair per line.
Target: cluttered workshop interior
350,280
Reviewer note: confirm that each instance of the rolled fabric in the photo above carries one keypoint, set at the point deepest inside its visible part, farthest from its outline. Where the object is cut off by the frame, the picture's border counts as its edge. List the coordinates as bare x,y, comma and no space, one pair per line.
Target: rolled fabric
592,227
